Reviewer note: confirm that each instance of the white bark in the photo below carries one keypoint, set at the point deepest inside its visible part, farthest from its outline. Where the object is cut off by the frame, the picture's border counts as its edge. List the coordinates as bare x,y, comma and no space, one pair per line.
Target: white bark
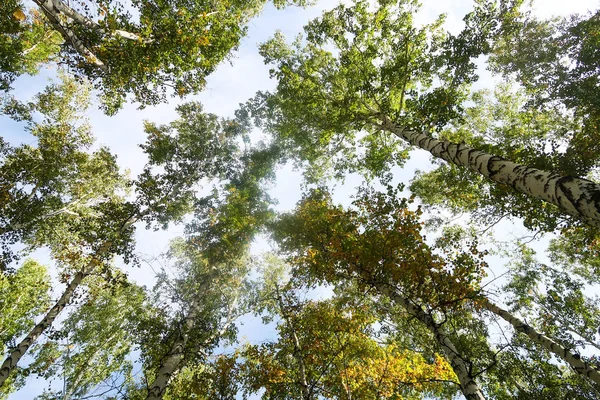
575,196
81,19
49,9
467,384
561,352
17,353
130,36
173,360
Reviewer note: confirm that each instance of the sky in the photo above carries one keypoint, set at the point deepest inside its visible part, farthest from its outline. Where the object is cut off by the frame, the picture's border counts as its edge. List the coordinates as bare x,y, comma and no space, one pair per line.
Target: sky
233,83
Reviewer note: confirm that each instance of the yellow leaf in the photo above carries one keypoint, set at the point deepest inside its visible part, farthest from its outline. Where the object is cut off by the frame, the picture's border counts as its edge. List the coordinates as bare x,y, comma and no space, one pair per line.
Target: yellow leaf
19,15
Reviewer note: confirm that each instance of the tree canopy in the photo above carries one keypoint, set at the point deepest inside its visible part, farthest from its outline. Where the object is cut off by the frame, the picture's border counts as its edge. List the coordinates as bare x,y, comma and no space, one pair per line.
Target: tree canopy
147,49
474,277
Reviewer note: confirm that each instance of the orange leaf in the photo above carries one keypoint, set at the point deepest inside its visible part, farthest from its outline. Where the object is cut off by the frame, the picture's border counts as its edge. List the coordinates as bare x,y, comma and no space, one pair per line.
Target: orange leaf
19,15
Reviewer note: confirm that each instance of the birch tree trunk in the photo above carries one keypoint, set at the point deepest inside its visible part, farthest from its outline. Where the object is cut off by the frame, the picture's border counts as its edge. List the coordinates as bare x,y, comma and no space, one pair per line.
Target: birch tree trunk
468,386
174,359
17,353
575,196
580,366
306,392
49,9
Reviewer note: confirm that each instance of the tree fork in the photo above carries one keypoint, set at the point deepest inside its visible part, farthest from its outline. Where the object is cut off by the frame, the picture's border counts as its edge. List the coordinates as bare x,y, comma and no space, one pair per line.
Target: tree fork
575,196
468,386
49,10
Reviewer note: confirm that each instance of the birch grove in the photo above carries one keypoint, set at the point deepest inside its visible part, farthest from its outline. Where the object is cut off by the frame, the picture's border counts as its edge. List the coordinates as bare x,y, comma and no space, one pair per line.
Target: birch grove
381,282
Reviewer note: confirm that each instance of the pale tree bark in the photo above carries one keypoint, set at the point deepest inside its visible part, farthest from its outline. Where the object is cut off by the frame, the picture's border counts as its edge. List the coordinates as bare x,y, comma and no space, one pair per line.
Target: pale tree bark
56,7
580,366
170,364
575,196
49,9
19,351
461,368
306,392
174,359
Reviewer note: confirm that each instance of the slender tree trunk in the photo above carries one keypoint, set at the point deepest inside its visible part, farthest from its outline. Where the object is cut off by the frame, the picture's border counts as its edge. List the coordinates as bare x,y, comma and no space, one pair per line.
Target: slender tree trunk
171,363
306,392
467,384
561,352
17,353
174,359
52,13
575,196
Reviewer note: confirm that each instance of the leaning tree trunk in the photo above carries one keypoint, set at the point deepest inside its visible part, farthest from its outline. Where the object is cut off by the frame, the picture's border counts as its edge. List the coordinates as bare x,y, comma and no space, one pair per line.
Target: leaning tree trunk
172,361
17,353
561,352
468,386
575,196
51,10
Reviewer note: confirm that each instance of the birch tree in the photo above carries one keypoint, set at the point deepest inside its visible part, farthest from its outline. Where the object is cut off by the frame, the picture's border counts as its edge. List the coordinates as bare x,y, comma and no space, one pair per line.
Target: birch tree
327,348
203,149
92,344
329,245
207,298
212,288
378,244
388,79
23,295
147,49
535,54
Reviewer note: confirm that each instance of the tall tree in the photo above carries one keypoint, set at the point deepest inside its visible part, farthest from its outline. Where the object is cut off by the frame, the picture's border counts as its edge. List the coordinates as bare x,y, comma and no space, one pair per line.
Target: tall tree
209,295
205,147
371,245
327,348
212,288
146,48
23,295
502,124
379,244
92,343
389,79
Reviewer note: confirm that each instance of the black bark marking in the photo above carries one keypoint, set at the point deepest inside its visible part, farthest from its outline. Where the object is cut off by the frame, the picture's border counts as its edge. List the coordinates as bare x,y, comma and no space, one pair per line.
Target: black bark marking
561,184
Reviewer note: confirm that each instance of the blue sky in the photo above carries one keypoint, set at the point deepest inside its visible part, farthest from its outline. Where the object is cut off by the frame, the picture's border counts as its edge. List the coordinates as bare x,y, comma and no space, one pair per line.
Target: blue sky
231,84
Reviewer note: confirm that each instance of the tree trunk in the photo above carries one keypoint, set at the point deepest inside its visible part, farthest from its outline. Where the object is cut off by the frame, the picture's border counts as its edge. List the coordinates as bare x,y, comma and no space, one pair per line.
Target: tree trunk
49,9
575,196
561,352
15,355
174,359
467,384
306,392
11,361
